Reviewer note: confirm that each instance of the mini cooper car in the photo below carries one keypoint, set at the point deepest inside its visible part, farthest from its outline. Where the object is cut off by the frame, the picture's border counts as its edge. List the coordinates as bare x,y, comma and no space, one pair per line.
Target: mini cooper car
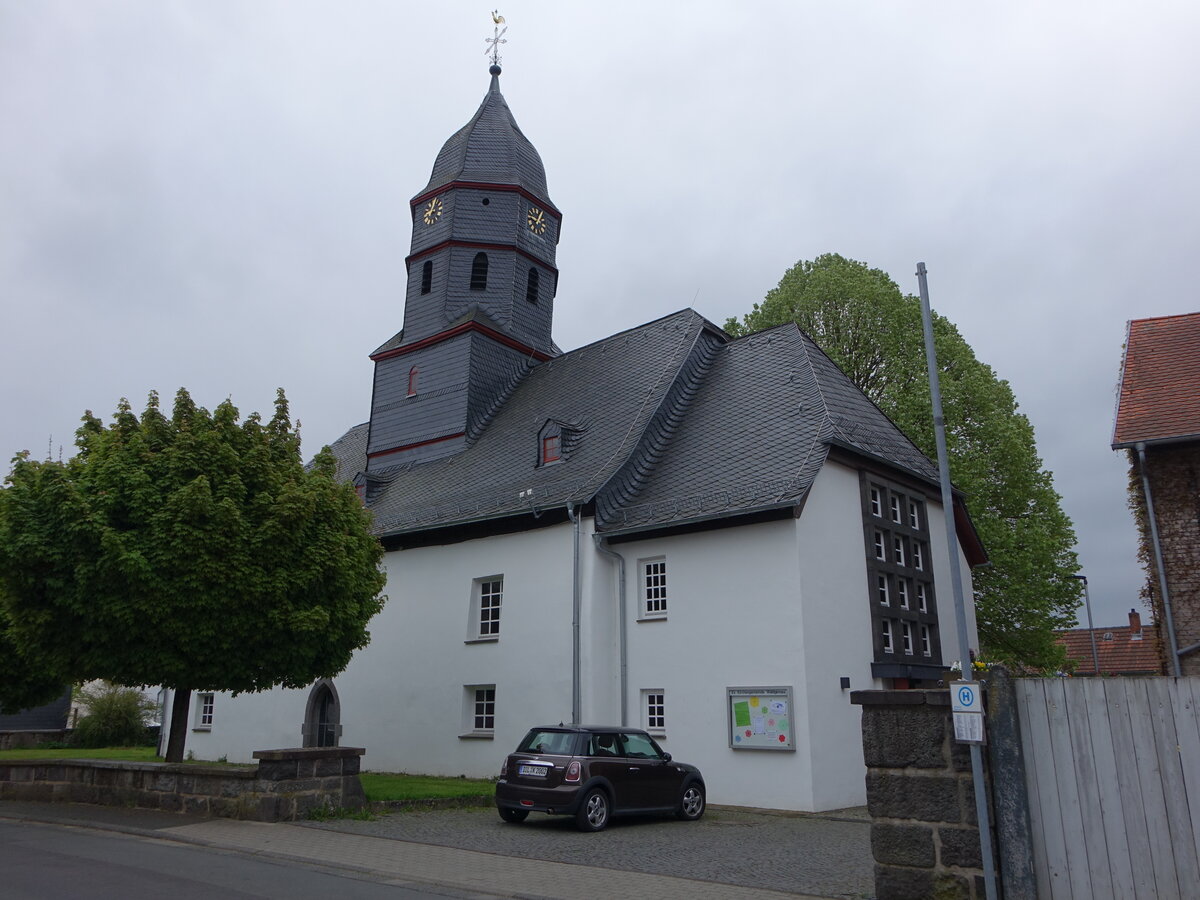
593,773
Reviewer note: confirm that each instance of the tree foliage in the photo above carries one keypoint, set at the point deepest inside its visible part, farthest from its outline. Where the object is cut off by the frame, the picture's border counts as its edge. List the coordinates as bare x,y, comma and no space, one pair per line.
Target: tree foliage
195,552
861,319
114,716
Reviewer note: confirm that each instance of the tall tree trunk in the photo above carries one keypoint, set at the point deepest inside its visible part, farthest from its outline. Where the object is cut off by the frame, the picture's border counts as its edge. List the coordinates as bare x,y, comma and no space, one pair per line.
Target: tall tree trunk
179,720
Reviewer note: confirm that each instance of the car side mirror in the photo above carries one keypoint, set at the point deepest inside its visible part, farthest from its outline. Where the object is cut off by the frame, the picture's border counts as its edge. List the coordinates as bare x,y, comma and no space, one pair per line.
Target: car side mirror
666,756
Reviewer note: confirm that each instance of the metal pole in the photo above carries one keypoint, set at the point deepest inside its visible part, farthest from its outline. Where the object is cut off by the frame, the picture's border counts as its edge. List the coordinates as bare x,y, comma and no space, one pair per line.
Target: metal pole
1087,602
960,609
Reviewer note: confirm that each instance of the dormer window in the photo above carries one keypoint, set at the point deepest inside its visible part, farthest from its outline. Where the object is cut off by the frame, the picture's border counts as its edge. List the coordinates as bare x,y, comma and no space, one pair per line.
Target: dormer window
479,272
551,448
531,286
555,442
413,373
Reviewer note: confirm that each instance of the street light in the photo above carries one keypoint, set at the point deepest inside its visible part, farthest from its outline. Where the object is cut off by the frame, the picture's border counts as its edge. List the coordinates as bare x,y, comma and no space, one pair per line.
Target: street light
1087,602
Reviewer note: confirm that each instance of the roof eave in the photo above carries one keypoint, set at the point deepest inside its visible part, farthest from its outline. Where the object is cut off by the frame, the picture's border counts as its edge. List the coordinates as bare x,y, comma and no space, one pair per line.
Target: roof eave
1155,442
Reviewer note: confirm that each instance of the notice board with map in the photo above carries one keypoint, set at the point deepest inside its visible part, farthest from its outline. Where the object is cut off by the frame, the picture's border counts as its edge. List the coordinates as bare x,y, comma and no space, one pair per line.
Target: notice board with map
760,718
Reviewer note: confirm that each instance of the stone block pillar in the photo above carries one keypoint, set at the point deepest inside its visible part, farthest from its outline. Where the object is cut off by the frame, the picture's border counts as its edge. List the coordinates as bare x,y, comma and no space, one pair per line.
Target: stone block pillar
924,835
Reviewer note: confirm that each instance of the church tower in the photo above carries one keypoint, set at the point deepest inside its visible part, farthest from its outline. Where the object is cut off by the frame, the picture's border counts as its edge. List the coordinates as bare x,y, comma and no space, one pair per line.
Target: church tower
480,297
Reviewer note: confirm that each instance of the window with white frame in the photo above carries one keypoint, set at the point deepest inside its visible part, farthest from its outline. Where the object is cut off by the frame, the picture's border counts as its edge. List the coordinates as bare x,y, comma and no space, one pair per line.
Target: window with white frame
922,598
654,588
885,632
906,631
898,550
204,712
882,590
487,595
880,552
654,710
876,502
895,507
479,711
902,592
918,556
926,645
914,515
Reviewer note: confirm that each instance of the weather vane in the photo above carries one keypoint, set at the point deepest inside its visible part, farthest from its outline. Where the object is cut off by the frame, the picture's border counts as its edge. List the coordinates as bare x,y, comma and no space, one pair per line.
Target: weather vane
497,37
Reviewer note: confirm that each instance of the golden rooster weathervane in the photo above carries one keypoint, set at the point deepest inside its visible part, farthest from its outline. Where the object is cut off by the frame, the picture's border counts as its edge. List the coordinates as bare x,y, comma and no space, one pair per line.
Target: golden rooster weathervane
497,37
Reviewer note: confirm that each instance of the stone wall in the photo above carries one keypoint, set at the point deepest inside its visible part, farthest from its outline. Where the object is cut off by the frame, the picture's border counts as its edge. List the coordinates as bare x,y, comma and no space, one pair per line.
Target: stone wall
1174,471
920,795
285,785
24,740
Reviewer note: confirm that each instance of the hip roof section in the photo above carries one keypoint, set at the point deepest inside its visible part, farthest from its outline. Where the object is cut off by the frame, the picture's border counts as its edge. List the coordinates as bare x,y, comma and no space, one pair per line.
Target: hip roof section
1158,400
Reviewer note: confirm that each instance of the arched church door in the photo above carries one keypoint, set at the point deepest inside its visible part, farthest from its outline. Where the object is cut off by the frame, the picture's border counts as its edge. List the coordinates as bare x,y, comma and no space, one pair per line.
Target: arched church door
322,720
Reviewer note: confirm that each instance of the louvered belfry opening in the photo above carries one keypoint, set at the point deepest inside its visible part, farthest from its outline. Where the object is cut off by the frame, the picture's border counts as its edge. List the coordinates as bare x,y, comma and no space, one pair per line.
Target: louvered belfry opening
531,286
479,272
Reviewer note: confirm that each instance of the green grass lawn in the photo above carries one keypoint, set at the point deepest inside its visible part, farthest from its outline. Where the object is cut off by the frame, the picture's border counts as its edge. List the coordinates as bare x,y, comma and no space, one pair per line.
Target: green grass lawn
134,754
381,786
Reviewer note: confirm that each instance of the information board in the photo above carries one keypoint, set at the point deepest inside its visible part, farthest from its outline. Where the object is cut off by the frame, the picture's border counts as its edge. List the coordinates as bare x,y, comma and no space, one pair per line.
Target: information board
760,718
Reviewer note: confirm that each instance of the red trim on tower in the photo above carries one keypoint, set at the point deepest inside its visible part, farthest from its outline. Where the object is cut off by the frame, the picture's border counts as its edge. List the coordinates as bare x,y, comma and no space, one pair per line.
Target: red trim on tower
545,205
479,245
436,440
455,332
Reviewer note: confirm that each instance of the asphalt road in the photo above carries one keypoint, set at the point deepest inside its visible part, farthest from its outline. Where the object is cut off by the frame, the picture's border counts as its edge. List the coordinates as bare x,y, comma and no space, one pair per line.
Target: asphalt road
43,861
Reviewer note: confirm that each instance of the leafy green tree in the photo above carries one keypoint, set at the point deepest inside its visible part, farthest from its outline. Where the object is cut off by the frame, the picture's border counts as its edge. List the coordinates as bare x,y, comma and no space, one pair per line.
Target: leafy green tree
114,716
191,552
24,682
860,318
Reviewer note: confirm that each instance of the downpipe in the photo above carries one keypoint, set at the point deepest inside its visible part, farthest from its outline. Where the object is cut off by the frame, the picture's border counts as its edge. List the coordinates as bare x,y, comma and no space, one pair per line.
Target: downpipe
576,604
622,639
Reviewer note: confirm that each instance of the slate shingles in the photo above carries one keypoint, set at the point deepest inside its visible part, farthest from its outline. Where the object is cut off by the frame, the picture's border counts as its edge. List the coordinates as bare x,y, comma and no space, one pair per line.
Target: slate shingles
1159,397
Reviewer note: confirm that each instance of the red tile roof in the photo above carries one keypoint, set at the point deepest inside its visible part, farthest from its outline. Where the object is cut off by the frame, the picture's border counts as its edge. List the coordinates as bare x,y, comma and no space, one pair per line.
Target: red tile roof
1160,381
1119,653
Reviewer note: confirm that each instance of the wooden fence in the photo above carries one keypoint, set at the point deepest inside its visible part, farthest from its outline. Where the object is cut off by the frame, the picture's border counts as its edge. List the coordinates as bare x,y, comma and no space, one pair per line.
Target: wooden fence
1112,768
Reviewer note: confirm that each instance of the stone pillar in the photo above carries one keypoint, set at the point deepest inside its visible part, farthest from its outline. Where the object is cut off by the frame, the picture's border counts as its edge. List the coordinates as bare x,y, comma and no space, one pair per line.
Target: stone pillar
924,835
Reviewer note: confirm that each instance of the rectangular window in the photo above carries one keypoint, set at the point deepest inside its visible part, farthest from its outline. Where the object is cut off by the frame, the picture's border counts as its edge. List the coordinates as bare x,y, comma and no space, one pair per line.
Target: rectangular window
902,592
487,596
922,598
880,552
551,448
204,712
876,502
881,587
479,711
914,515
906,630
654,705
898,550
886,632
895,507
918,553
654,588
926,646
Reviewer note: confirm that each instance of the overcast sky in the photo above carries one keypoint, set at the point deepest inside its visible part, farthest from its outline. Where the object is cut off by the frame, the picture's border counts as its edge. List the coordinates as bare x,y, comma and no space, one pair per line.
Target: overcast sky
214,194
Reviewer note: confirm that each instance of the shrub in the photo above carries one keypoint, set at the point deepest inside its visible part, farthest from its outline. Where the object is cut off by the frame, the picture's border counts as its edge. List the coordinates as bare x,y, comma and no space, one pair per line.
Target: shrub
116,717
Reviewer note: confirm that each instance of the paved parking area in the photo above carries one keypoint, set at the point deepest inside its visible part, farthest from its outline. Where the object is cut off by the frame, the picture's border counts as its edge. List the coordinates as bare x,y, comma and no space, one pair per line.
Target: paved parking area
827,855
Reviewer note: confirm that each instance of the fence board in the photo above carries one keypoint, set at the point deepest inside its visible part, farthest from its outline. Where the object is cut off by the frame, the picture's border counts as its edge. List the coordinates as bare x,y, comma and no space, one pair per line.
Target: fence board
1116,841
1055,857
1087,782
1134,822
1031,705
1069,810
1150,778
1179,821
1185,704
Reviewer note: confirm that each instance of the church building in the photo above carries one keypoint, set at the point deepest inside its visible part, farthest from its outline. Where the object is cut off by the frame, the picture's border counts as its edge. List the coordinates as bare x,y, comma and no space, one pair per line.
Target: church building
714,539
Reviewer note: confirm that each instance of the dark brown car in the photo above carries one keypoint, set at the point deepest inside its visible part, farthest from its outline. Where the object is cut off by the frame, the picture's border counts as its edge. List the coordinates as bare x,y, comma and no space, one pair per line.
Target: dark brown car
595,772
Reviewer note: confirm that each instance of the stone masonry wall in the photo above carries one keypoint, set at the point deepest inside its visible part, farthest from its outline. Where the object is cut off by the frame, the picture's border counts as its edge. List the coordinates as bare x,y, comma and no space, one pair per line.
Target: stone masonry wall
285,785
920,796
1175,482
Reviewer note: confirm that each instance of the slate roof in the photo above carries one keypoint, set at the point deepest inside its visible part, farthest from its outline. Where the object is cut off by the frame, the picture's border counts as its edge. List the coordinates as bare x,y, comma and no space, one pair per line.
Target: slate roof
491,149
1119,653
667,424
51,717
1159,395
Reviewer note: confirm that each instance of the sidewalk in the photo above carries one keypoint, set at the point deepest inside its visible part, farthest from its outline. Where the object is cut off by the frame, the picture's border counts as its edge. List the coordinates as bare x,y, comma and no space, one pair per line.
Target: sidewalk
472,873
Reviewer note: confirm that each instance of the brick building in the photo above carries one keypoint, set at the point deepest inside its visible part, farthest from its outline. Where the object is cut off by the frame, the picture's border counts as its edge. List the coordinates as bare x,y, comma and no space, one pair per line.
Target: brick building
1158,423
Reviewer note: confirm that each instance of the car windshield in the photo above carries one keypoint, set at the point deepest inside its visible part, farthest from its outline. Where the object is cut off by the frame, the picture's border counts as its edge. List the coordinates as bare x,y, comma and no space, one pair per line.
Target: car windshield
560,743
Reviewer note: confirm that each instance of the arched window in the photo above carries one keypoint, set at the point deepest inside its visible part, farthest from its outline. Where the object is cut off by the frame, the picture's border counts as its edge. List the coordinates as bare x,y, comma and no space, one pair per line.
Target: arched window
323,716
479,272
427,277
412,381
531,286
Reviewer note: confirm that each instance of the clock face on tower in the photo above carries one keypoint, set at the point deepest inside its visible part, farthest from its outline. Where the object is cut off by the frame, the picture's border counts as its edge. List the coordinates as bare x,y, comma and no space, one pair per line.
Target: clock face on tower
433,211
536,220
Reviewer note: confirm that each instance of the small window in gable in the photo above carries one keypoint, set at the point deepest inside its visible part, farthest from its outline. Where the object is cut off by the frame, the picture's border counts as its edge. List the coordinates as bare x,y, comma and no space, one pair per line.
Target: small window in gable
413,373
553,443
427,277
479,272
531,286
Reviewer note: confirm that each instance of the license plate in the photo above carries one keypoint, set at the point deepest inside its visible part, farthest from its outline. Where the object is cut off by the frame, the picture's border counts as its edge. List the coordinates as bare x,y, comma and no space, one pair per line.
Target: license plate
540,771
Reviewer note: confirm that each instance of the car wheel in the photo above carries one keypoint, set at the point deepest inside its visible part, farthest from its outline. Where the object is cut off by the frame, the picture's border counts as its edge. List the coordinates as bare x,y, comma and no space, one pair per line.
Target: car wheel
513,815
691,803
593,811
